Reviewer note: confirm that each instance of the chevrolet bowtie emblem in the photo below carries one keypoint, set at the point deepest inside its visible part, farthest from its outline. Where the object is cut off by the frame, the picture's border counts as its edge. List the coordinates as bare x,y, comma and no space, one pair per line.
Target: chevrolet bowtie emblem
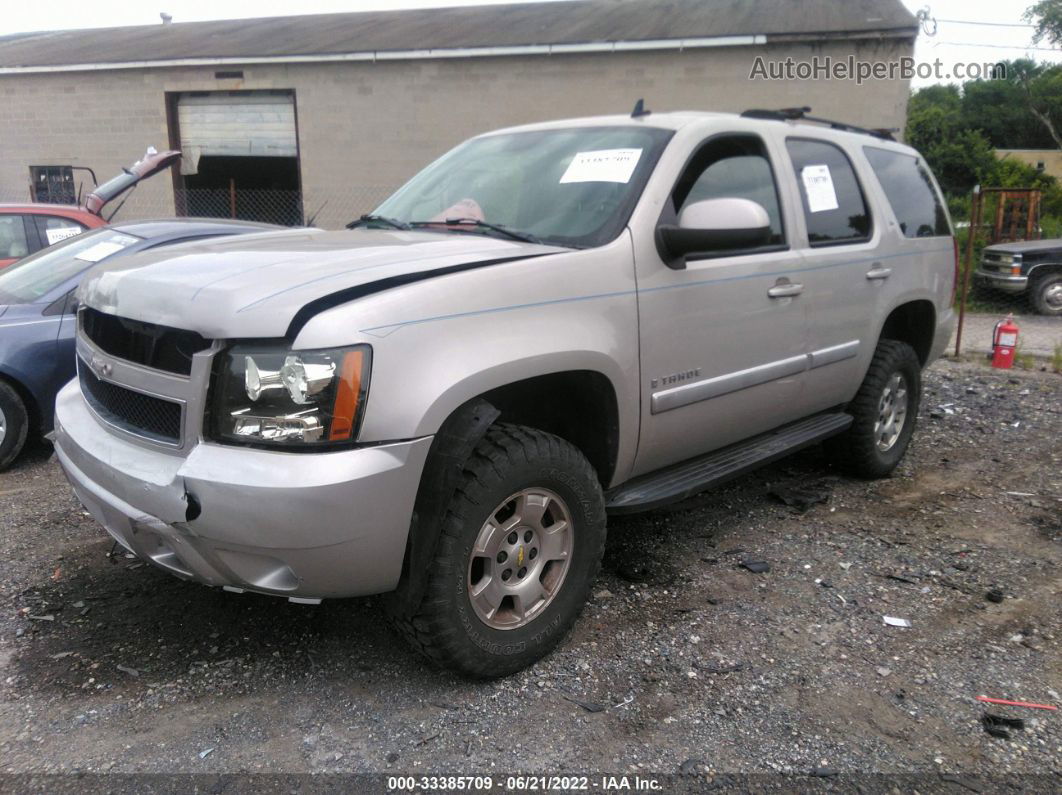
101,367
520,556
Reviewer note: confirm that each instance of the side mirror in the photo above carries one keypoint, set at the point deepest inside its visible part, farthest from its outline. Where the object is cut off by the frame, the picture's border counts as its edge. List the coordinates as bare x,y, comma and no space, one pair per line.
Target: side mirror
713,225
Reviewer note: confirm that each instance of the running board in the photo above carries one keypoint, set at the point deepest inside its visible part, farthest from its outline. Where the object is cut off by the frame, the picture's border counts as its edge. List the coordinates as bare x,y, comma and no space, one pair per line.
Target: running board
683,480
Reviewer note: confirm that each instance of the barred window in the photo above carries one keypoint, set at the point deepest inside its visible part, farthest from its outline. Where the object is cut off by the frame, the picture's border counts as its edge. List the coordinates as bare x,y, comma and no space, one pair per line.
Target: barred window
53,184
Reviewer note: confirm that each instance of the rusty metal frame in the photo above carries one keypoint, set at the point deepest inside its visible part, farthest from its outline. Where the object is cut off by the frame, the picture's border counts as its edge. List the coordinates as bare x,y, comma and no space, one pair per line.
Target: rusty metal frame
977,206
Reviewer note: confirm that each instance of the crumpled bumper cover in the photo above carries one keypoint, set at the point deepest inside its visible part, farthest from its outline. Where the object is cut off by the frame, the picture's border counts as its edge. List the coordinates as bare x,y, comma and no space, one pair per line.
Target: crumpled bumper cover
300,525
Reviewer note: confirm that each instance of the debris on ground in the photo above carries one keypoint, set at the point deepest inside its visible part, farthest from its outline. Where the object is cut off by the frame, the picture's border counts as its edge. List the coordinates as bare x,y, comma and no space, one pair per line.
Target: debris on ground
1028,704
756,566
1000,725
802,497
589,706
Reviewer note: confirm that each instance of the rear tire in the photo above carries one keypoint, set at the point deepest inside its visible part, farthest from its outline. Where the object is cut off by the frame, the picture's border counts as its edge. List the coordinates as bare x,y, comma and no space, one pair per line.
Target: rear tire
884,411
14,425
1046,295
493,606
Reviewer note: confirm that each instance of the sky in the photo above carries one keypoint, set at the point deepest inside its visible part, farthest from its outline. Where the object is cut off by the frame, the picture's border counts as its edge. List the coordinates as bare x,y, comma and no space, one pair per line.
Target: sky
959,40
999,32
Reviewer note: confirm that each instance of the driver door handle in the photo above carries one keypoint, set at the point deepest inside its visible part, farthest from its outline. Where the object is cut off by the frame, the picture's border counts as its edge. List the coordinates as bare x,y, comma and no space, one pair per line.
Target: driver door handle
785,289
878,272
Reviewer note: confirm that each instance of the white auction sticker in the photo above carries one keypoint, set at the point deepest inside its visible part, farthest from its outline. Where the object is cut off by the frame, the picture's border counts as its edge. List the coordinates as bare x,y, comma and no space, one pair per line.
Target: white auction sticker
62,233
604,165
105,248
818,187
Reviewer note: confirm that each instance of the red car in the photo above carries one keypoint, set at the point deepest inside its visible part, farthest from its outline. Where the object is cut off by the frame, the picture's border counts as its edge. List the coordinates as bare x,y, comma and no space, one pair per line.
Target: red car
27,228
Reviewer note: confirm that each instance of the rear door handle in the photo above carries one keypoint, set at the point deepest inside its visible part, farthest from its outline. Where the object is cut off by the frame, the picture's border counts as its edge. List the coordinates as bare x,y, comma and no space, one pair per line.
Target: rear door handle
877,272
785,290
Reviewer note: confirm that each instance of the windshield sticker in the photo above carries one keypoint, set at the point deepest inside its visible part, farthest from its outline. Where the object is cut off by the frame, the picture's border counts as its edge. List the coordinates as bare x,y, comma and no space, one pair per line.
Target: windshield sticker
818,187
55,235
105,248
604,165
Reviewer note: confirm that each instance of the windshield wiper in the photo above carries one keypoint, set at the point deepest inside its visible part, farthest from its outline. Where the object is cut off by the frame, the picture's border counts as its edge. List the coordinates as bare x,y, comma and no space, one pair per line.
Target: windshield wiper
524,237
382,219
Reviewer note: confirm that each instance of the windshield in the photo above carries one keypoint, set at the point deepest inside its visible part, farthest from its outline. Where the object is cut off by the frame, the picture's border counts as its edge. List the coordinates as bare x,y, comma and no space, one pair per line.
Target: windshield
571,187
32,278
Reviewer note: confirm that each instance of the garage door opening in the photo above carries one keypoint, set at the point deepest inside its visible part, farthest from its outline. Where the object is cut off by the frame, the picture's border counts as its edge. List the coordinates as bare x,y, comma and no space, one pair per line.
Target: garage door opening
240,156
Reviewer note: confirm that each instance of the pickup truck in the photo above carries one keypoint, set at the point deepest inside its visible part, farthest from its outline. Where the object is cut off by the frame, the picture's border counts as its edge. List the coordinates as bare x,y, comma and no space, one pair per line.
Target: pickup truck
549,324
1032,268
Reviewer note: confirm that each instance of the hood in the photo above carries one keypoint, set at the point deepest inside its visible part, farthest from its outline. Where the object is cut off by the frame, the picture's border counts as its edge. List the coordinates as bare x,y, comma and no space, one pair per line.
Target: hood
263,285
148,166
1025,245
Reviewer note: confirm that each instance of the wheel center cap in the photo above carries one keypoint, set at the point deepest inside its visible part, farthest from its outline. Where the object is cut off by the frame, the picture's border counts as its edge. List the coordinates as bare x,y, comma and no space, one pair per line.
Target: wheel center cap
520,556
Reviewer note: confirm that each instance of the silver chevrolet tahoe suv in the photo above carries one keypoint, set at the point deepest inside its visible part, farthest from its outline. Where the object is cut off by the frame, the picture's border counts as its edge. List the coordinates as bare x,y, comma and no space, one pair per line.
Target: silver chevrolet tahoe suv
548,324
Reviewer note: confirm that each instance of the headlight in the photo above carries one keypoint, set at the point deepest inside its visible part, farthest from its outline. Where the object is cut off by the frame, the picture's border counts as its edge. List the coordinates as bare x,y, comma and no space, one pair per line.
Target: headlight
285,398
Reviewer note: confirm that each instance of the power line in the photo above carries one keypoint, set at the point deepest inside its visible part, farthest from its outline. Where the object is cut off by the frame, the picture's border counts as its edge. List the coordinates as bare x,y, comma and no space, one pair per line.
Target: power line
988,24
999,46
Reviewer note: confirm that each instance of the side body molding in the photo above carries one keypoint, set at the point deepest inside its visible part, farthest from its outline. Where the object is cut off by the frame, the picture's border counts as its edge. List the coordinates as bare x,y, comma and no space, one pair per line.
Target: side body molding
708,388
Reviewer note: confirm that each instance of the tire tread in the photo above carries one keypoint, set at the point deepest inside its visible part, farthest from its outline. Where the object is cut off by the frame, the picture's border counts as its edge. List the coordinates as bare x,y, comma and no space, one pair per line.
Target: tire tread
854,451
428,628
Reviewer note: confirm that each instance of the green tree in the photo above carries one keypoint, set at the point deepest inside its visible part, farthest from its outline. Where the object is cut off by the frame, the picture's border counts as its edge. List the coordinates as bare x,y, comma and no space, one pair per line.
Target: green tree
959,156
1041,90
1001,108
1043,93
1046,15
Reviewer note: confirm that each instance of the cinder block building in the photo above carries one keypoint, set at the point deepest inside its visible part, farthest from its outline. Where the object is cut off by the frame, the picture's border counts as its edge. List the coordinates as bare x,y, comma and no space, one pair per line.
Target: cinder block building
294,119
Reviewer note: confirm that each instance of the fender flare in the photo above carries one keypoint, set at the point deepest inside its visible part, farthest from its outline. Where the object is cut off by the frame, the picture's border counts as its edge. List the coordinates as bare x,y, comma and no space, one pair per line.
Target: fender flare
450,449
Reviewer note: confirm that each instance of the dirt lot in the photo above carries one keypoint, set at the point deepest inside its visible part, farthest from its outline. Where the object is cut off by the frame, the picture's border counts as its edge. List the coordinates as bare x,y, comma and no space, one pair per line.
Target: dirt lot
684,660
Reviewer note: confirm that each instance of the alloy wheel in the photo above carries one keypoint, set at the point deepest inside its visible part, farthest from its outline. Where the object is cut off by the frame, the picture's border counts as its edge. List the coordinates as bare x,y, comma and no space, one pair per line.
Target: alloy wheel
520,558
892,412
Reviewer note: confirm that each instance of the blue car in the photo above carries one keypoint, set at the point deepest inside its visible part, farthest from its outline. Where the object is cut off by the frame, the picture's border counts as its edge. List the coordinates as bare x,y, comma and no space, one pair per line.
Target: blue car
38,314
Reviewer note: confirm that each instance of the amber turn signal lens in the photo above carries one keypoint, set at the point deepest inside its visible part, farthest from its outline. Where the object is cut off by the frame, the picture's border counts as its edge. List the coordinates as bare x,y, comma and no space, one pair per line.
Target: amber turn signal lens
348,393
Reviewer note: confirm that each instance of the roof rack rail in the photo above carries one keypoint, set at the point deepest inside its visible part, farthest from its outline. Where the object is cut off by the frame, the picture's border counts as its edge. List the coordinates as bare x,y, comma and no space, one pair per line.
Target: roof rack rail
794,114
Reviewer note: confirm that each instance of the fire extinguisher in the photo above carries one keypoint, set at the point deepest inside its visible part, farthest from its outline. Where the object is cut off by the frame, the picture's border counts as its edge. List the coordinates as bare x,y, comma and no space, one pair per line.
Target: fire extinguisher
1004,341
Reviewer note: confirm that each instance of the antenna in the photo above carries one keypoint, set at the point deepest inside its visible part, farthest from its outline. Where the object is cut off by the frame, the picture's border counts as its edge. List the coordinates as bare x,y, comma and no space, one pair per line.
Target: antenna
166,18
639,109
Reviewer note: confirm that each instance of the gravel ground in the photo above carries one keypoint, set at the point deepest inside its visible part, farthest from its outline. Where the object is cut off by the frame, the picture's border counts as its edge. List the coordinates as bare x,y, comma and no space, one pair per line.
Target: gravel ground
683,662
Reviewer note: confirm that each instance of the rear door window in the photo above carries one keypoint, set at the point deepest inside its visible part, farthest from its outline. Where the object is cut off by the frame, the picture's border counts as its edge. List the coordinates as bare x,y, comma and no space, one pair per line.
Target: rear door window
834,206
52,228
910,191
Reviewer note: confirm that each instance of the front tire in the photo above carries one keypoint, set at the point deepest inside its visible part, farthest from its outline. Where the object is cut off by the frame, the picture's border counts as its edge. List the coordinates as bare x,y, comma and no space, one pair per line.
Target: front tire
884,411
14,425
1046,295
521,545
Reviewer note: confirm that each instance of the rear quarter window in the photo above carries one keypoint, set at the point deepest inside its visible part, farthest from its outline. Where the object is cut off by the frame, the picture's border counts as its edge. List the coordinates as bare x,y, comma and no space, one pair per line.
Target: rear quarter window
909,188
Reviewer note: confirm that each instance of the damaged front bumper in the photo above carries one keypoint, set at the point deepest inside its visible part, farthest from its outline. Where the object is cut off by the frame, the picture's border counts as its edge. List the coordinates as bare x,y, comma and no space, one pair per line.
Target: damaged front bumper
305,526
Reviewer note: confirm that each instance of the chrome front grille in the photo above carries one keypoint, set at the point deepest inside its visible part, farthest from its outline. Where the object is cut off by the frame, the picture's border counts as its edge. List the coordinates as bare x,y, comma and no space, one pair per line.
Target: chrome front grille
135,412
149,344
996,261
